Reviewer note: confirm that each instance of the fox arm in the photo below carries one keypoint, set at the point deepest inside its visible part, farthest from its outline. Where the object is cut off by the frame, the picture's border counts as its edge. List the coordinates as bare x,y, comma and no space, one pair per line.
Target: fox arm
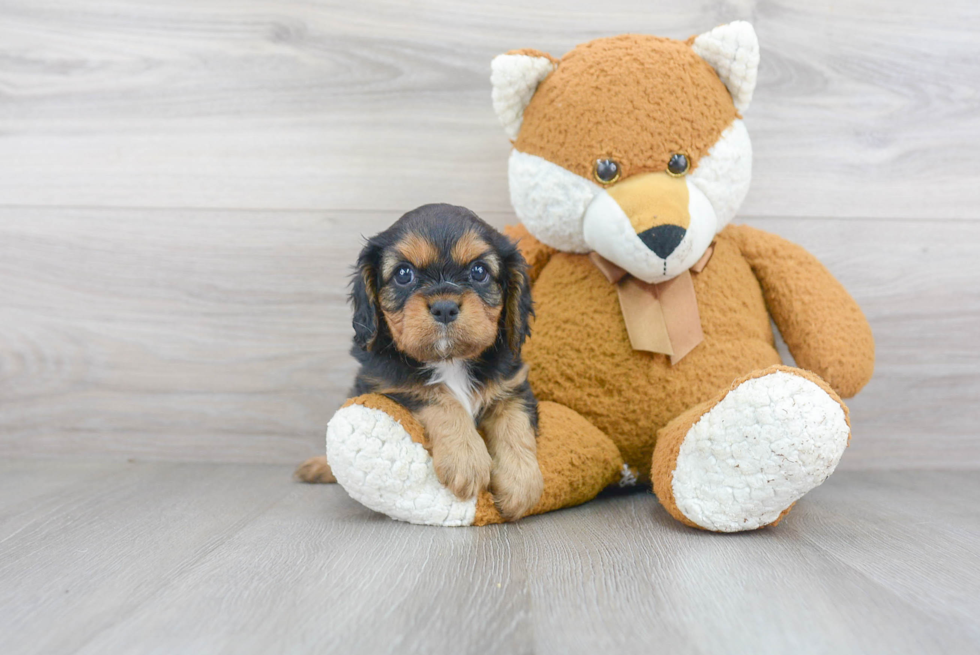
536,253
821,323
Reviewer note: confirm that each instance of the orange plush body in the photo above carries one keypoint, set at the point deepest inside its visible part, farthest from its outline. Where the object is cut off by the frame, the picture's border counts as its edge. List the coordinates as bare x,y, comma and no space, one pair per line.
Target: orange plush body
633,149
581,356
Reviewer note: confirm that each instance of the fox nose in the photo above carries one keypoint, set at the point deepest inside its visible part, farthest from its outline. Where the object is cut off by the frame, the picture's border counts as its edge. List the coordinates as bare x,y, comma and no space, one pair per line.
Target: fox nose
663,239
444,311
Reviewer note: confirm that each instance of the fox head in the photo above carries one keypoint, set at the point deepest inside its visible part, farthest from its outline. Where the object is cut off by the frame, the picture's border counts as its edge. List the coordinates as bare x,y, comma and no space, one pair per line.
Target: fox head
631,146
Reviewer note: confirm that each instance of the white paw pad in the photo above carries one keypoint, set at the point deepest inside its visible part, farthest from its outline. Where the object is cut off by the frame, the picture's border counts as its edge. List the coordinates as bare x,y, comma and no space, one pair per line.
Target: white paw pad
375,460
768,442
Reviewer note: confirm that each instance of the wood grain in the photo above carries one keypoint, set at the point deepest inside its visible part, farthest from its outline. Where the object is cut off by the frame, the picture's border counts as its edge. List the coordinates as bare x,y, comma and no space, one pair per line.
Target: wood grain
223,335
75,561
183,187
868,109
780,590
191,558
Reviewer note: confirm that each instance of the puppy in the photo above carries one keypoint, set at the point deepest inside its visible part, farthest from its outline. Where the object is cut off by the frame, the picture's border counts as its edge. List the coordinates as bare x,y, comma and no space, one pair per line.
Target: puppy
441,309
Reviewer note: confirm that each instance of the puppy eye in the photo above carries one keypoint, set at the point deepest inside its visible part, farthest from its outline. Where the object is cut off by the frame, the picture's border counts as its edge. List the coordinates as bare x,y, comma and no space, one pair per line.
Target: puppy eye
606,171
478,272
404,276
678,164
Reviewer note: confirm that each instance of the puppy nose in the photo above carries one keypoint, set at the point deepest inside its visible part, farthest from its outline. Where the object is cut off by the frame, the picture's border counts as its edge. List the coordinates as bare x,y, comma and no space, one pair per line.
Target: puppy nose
444,311
663,239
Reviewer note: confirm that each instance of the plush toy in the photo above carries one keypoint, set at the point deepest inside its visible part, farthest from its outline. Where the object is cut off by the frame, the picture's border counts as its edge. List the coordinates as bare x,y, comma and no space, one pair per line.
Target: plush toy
652,352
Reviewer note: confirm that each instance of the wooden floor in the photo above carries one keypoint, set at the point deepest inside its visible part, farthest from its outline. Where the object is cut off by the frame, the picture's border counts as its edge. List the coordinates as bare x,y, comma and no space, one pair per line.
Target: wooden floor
183,188
108,558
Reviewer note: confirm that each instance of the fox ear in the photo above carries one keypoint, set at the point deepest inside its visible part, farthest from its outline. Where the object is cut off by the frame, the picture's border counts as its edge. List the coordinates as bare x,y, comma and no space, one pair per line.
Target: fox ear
515,76
733,51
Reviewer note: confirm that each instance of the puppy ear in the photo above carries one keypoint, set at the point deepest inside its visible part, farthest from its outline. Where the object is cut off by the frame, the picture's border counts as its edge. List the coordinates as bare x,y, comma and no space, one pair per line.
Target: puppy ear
518,306
364,298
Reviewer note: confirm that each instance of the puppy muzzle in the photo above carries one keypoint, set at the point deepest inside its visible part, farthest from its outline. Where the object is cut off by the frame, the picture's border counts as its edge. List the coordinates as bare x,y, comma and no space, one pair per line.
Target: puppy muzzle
653,225
444,311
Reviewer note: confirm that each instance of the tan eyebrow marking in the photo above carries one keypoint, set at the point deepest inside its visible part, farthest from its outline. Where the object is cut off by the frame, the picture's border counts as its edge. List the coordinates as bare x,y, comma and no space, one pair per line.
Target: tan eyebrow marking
417,250
468,247
388,264
493,261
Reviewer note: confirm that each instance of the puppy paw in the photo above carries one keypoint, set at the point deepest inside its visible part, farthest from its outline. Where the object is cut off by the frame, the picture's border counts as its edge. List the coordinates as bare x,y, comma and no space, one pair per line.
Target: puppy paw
516,487
463,469
315,470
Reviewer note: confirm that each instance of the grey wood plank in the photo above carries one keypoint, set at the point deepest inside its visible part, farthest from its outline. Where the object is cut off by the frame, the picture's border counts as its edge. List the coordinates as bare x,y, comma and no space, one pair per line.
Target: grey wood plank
919,286
223,335
648,580
864,564
319,573
902,529
21,483
863,109
79,559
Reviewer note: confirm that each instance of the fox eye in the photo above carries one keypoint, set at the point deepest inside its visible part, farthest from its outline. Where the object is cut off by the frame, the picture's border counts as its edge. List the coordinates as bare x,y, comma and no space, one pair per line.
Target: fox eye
478,272
678,164
606,171
404,275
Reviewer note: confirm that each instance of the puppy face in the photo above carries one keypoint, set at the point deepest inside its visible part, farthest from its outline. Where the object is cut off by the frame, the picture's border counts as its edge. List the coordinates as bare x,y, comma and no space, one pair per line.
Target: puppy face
440,284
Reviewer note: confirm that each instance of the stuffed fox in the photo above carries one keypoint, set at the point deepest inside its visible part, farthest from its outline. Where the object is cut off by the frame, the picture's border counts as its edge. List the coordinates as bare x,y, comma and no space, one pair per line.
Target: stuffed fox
652,352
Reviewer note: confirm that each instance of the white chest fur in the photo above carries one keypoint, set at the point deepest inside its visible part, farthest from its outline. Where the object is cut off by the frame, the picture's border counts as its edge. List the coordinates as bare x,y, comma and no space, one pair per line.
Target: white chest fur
456,376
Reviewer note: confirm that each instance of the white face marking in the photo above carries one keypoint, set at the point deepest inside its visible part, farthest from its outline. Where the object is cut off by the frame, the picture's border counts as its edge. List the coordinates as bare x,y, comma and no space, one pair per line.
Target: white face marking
455,374
554,205
724,175
550,200
608,231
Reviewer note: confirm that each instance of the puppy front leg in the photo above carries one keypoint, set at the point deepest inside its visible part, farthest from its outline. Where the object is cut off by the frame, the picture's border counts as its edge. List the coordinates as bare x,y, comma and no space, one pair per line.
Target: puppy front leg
459,455
515,480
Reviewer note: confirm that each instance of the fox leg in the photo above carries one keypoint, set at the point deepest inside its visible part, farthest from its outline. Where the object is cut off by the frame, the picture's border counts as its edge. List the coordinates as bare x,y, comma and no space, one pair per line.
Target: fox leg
380,455
741,460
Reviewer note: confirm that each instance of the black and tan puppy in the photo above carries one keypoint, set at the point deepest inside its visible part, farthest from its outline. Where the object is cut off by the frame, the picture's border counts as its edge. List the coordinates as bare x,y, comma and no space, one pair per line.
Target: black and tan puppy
441,308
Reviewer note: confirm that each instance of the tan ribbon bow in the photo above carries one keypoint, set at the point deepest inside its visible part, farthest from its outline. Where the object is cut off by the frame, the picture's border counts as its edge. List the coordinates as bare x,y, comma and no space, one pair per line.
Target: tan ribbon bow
660,318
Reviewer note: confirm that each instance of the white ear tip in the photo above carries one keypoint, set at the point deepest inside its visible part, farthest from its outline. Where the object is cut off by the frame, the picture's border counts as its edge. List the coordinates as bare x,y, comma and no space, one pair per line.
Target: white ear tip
733,51
514,79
